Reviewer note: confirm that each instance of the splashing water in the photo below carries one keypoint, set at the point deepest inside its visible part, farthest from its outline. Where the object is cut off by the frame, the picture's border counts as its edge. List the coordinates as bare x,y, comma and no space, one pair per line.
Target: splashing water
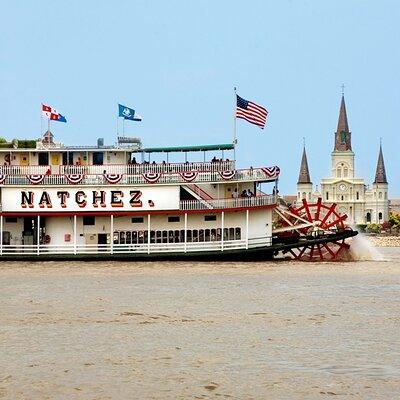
361,249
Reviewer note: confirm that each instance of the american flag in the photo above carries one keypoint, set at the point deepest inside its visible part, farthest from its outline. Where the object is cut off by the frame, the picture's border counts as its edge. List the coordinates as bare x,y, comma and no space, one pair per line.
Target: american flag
251,112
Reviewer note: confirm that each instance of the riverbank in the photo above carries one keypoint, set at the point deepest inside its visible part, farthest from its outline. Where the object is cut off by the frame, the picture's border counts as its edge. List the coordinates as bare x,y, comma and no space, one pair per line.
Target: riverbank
385,241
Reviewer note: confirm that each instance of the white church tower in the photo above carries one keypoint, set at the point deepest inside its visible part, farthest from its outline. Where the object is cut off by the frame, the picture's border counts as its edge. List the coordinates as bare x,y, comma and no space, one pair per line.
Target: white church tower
361,204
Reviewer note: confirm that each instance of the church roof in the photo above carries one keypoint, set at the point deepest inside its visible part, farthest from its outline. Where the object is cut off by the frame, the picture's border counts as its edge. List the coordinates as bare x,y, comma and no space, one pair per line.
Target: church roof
304,174
342,135
380,174
343,125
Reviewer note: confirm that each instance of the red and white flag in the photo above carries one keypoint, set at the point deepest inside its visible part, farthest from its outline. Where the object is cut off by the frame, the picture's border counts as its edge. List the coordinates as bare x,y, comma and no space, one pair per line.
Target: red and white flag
52,114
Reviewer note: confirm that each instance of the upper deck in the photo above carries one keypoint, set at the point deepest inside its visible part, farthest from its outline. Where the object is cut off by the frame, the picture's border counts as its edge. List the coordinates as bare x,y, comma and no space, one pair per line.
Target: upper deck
46,162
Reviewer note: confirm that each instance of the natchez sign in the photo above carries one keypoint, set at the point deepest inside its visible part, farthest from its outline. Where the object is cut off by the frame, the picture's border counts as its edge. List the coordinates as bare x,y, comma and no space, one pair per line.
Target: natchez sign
90,199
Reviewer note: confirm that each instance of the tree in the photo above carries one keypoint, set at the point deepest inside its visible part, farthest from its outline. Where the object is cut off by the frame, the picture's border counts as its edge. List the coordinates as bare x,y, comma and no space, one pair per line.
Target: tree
394,220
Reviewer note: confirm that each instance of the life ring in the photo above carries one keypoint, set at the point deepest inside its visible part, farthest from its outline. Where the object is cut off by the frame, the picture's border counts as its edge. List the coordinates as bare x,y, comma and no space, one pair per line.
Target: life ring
46,239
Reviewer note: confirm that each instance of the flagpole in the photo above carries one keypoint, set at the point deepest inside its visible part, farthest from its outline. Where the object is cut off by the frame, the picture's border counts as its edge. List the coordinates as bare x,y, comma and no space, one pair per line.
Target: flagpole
41,121
123,126
117,128
234,126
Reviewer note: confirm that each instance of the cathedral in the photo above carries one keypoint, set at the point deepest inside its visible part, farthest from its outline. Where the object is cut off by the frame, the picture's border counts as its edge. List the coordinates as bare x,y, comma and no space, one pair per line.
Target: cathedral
361,203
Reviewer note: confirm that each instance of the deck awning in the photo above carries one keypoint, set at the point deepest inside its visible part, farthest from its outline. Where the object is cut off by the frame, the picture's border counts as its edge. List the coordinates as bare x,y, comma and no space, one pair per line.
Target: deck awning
206,147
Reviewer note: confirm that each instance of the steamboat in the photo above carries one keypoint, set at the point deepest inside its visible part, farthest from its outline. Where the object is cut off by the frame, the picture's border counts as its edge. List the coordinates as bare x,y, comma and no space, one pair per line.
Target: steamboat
130,201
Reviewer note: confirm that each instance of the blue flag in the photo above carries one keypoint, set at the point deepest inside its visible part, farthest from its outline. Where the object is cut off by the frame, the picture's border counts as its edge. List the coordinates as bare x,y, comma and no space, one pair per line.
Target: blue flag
127,113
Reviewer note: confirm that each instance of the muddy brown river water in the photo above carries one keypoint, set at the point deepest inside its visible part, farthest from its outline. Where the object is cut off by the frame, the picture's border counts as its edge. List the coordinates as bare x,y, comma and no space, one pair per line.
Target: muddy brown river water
274,330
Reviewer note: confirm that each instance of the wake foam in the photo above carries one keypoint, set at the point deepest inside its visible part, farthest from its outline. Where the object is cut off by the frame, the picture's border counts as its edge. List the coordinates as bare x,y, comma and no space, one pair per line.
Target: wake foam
361,249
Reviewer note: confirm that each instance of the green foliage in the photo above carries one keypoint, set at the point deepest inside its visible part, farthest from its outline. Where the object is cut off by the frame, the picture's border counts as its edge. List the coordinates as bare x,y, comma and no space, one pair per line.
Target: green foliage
373,228
27,144
394,220
3,140
361,227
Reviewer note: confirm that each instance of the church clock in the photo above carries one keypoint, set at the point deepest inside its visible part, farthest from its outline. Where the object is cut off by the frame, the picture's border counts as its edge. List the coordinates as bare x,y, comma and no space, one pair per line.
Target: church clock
342,187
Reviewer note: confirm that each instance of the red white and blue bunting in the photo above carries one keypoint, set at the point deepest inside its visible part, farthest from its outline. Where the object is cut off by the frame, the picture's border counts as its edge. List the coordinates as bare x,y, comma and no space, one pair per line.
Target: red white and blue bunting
152,177
2,178
227,175
189,176
271,172
36,179
74,178
113,178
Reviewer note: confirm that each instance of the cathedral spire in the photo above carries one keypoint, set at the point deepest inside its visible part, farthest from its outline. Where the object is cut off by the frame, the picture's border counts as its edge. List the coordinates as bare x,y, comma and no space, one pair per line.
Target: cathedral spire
304,174
380,174
342,135
342,125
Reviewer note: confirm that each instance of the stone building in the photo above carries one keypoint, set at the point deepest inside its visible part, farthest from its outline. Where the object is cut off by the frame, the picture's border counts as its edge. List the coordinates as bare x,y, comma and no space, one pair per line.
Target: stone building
361,203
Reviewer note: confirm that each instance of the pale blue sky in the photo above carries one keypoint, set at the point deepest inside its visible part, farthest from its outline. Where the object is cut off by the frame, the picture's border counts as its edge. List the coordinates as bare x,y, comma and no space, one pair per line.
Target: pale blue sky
176,63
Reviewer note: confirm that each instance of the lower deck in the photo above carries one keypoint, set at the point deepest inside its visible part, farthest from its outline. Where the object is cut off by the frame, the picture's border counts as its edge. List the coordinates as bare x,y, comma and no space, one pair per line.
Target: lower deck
135,235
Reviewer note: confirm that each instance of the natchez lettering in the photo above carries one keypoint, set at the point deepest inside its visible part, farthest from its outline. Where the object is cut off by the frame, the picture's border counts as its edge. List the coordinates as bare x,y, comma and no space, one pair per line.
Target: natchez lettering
98,199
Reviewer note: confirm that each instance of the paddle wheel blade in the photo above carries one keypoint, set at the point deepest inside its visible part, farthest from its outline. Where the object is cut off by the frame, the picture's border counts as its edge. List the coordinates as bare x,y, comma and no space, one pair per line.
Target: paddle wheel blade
317,227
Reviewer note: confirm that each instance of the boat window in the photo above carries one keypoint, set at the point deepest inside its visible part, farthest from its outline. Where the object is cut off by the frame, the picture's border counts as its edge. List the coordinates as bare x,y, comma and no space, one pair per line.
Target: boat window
201,235
213,235
11,220
43,158
226,233
122,237
98,158
89,220
210,218
140,237
137,220
238,234
174,219
176,236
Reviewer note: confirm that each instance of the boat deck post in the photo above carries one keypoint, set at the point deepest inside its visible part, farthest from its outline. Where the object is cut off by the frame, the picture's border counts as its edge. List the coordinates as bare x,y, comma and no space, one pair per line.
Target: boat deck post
111,233
74,234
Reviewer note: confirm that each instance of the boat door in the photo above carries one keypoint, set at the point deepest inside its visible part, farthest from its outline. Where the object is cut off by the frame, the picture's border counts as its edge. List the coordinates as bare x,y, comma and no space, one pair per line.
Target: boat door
55,163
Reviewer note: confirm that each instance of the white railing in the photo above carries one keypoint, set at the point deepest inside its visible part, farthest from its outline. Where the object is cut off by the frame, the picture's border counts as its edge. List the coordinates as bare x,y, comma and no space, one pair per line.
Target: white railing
24,169
248,175
162,168
143,248
228,203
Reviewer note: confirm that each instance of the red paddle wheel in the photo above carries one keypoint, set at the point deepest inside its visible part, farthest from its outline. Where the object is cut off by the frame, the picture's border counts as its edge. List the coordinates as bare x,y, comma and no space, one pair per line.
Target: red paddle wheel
316,226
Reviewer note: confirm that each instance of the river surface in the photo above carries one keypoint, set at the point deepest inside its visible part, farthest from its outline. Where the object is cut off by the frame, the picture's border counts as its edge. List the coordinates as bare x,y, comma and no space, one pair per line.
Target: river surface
273,330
